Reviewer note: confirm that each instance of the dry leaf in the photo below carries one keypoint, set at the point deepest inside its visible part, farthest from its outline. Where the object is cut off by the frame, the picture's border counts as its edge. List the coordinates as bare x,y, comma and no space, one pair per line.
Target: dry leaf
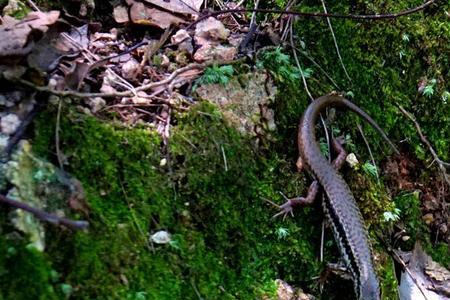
186,7
140,14
17,34
121,14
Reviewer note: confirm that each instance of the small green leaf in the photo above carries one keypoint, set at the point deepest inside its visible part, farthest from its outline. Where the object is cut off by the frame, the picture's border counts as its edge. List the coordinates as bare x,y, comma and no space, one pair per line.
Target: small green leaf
350,94
370,169
282,233
66,289
428,91
405,37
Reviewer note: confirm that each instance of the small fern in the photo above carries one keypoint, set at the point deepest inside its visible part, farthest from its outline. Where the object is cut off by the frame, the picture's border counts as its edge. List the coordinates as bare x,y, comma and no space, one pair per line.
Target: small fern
428,91
216,74
281,68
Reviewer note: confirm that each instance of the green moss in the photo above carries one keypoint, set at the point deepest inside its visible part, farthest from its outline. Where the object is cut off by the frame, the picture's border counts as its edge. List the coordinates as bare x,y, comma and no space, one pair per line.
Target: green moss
24,272
411,218
225,244
386,61
388,282
440,253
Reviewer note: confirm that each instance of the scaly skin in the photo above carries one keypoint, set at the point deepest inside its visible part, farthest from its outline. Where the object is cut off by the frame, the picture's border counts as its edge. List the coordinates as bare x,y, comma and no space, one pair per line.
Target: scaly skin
340,205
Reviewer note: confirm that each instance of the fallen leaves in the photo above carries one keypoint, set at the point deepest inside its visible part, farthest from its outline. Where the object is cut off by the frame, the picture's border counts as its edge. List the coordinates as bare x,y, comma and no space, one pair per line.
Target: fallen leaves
157,13
404,173
18,36
143,15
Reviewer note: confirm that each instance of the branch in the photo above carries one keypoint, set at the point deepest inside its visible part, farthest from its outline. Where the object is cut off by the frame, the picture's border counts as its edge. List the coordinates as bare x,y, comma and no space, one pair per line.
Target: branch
45,216
151,85
315,14
441,164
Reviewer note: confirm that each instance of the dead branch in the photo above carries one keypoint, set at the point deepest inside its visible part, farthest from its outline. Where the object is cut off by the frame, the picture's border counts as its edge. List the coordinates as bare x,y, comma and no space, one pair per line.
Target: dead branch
45,216
405,267
145,87
316,14
335,42
441,164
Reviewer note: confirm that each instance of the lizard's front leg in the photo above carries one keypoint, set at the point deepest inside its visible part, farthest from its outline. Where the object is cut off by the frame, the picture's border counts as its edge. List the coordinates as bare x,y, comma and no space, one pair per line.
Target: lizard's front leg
338,162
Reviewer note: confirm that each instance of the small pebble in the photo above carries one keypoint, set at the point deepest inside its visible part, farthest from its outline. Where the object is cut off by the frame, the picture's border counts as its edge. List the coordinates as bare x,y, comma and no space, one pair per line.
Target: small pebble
161,237
9,124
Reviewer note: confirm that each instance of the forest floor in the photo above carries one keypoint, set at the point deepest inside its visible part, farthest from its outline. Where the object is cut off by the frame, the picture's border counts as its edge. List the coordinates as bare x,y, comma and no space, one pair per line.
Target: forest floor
156,134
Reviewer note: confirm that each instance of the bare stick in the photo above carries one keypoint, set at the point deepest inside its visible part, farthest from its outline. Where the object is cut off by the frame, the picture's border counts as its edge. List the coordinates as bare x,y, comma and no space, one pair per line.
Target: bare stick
297,61
45,216
34,6
441,164
370,151
317,14
224,159
335,42
57,129
145,87
405,267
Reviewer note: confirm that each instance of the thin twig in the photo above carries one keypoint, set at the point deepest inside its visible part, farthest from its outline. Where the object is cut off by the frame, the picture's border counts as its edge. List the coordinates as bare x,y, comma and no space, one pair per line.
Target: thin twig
148,242
34,6
45,216
335,42
145,87
57,129
317,14
322,236
253,19
304,53
297,61
441,164
96,61
285,31
224,159
413,278
196,290
370,151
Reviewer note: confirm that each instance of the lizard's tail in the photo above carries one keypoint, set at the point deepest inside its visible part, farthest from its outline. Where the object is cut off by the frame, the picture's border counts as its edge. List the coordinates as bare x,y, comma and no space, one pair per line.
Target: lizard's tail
336,100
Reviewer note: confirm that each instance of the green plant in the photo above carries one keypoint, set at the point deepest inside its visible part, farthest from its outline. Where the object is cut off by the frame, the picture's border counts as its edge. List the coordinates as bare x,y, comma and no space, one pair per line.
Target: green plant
411,216
392,215
370,169
281,67
445,96
216,74
282,233
428,91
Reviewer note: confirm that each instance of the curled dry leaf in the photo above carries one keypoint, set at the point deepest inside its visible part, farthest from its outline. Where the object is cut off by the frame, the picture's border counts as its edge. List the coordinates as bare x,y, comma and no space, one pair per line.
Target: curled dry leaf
140,14
55,45
16,34
185,7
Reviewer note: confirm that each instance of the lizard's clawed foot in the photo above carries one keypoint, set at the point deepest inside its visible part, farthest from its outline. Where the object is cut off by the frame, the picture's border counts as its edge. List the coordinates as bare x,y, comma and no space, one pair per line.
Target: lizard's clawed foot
287,208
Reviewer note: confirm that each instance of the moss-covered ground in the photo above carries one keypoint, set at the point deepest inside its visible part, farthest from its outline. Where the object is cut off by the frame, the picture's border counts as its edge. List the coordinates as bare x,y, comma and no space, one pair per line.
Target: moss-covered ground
225,244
